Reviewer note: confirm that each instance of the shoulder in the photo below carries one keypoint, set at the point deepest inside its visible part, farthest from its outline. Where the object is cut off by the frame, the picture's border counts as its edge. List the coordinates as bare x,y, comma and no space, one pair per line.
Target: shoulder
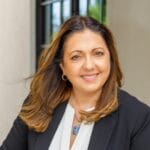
134,118
131,103
17,136
132,112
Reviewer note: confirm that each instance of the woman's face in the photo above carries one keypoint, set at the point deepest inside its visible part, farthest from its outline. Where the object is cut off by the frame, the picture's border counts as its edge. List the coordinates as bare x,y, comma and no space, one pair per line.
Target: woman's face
86,61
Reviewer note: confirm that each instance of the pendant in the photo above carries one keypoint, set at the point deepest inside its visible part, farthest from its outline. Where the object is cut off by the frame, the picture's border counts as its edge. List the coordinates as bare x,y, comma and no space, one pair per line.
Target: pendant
75,129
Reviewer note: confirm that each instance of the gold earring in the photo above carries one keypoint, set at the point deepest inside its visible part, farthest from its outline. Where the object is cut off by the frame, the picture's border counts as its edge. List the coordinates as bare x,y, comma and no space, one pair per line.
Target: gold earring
64,77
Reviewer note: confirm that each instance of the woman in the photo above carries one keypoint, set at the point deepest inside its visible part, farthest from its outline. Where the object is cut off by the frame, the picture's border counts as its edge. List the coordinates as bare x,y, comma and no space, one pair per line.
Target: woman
75,102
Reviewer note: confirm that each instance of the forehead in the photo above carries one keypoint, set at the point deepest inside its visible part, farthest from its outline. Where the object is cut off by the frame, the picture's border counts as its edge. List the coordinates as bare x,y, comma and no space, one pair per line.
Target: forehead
85,39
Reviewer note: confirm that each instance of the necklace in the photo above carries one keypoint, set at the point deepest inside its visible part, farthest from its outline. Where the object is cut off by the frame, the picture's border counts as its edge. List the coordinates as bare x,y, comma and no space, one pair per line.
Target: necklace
76,125
75,129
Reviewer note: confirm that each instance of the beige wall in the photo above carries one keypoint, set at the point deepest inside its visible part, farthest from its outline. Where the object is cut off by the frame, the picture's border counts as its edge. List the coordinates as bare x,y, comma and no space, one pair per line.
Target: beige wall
130,23
17,57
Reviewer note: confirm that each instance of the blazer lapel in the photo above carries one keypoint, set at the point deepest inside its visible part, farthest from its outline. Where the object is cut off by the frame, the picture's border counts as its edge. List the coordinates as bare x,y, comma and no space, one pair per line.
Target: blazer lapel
102,132
99,139
44,139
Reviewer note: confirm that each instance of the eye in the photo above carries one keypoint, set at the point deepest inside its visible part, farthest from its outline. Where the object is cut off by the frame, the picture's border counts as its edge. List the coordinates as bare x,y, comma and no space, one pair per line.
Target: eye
75,57
99,53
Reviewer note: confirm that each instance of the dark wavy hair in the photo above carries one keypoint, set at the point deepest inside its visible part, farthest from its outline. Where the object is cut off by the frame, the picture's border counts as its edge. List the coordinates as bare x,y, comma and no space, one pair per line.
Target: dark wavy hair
48,89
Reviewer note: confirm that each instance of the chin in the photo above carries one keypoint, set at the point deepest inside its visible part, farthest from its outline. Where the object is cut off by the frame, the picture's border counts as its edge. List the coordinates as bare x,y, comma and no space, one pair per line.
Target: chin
91,89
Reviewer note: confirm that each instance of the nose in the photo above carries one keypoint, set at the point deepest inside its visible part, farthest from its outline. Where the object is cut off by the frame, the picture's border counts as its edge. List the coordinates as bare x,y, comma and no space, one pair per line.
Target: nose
88,63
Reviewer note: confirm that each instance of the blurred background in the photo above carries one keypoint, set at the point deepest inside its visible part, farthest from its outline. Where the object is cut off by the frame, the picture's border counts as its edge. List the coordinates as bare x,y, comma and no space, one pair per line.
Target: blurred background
27,27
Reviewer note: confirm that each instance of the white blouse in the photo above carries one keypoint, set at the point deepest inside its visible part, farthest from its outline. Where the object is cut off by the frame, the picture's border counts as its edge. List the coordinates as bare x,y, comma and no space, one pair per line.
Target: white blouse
61,139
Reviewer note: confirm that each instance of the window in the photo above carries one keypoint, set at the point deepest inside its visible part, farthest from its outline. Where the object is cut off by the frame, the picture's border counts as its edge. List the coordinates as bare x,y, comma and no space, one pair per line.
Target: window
52,13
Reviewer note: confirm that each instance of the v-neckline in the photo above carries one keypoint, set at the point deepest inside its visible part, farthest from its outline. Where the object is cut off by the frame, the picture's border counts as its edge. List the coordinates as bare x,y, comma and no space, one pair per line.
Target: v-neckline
100,135
69,120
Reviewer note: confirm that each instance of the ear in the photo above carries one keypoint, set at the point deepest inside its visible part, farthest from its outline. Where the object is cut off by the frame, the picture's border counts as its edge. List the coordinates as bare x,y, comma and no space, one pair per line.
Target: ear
62,67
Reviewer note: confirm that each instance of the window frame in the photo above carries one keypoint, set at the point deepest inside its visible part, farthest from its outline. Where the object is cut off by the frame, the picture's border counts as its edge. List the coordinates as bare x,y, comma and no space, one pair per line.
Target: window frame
40,19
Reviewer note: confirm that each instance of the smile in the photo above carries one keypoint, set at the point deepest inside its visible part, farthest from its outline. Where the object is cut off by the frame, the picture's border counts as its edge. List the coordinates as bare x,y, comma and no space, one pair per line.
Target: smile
90,77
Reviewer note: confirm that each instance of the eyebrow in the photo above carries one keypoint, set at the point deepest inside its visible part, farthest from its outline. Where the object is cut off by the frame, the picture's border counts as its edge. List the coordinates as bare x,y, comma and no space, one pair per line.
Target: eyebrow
97,48
80,51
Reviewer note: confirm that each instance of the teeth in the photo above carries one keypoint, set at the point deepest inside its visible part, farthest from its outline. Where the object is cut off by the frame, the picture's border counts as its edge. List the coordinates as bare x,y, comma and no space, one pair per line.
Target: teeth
89,77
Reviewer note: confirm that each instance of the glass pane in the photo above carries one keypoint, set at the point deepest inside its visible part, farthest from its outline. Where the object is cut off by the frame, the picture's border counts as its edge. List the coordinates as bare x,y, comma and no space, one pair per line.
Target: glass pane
66,9
93,2
95,9
83,7
47,23
56,17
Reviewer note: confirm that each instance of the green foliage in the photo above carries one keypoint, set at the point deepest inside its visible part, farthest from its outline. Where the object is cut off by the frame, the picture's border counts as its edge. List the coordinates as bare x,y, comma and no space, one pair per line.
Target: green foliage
94,11
98,12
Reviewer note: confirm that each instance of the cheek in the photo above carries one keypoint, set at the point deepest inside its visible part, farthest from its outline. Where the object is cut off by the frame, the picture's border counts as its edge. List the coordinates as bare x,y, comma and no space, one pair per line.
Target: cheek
107,63
71,70
105,69
108,66
104,65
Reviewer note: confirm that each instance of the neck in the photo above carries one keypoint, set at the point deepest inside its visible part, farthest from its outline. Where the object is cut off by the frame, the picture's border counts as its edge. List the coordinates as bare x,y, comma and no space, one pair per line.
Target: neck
84,101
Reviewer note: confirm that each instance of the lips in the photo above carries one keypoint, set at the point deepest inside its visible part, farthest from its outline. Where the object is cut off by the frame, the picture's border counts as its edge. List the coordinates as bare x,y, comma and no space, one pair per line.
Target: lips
91,77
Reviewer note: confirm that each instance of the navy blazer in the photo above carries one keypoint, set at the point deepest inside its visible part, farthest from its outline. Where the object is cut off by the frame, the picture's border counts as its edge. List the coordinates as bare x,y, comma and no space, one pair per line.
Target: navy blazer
128,128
